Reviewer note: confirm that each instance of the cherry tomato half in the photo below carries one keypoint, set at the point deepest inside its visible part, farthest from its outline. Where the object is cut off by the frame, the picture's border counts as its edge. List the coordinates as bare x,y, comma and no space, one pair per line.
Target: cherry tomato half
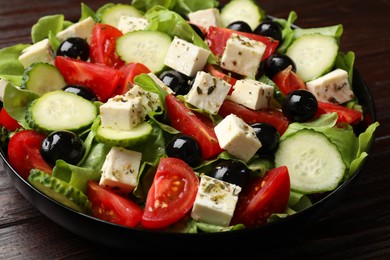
111,207
24,152
171,195
7,121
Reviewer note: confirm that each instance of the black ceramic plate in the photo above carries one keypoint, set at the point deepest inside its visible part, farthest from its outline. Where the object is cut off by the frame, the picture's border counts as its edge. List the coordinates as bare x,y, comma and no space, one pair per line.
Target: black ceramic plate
127,238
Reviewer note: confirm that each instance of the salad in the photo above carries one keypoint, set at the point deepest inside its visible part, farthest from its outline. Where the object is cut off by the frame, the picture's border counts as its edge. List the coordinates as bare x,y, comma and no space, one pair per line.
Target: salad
182,116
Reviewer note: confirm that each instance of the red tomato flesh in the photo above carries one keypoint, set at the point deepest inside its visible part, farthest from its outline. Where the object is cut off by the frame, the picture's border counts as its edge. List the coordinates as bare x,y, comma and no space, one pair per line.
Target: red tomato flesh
262,197
271,116
171,195
287,80
24,153
128,72
103,45
7,121
111,207
189,123
218,72
218,36
101,79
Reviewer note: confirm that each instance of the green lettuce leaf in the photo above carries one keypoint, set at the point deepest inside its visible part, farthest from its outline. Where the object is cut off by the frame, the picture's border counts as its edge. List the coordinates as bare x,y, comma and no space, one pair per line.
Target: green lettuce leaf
53,23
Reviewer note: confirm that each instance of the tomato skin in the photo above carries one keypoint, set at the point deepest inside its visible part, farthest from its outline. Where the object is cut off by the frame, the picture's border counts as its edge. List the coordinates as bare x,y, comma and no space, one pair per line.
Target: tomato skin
218,36
345,114
171,195
101,79
24,153
128,72
103,45
287,80
271,116
196,125
7,121
262,197
111,207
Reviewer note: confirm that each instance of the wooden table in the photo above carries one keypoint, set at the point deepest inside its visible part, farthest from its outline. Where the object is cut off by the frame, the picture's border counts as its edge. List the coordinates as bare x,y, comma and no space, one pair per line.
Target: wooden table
358,227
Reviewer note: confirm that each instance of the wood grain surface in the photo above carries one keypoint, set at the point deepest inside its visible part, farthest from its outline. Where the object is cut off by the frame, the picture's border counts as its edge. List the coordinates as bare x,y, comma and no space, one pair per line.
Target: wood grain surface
358,227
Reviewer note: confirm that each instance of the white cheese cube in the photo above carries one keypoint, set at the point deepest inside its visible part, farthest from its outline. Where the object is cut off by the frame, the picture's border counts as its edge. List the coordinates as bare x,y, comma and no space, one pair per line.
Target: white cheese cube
237,137
130,24
120,170
38,52
150,101
208,92
122,113
242,55
3,84
160,83
186,57
252,94
332,87
215,201
206,17
82,29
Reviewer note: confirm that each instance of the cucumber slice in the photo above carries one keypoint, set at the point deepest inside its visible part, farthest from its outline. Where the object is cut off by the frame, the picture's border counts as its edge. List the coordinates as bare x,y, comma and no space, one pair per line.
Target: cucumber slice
242,10
112,14
41,77
314,163
314,55
59,110
123,138
59,191
146,47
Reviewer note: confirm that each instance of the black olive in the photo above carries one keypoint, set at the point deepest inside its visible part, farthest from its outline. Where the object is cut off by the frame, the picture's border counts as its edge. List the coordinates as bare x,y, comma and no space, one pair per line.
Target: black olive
64,145
269,28
186,148
178,82
81,91
276,63
268,136
74,47
232,171
198,31
299,105
240,26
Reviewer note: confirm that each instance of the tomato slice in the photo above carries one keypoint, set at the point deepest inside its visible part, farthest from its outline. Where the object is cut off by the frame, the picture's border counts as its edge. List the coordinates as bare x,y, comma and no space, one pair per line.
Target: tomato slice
7,121
262,197
101,79
272,116
24,153
128,72
218,36
345,114
219,73
195,125
171,195
103,45
111,207
287,80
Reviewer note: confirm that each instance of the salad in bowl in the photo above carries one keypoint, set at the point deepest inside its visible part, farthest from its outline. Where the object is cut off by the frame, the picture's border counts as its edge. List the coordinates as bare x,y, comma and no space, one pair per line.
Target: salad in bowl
176,117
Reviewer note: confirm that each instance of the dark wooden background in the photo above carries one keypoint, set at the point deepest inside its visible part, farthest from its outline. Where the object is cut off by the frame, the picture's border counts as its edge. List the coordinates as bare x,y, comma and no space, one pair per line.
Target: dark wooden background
358,227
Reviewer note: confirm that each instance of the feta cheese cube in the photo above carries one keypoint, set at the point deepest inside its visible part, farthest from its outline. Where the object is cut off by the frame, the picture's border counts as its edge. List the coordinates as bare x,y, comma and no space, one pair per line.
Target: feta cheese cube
122,113
82,29
332,87
208,92
38,52
215,201
252,94
186,57
3,84
237,137
130,24
242,55
206,17
120,170
150,101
